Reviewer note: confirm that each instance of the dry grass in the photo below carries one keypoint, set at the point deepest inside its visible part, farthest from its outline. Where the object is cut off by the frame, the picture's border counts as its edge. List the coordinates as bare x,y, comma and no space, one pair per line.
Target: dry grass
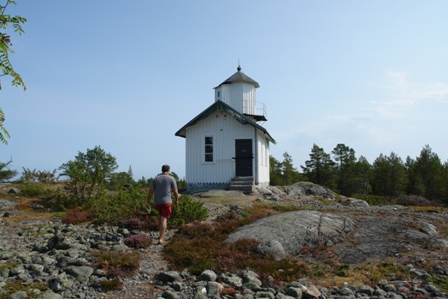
429,209
27,209
242,200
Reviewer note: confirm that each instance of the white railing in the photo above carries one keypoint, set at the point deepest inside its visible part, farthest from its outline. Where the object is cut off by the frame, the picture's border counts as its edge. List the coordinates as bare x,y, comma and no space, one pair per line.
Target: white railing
260,110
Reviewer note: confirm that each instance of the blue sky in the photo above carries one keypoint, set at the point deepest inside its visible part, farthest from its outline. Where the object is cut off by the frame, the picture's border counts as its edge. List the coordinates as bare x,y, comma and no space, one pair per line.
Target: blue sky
127,75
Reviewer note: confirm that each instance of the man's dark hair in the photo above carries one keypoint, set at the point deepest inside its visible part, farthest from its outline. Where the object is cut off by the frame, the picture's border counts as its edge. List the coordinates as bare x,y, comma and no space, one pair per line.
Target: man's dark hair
165,168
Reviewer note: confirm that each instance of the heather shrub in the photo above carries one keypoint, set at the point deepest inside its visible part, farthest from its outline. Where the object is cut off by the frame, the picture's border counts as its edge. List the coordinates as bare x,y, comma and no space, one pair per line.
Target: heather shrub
138,241
229,291
134,223
412,200
202,246
77,216
117,264
111,285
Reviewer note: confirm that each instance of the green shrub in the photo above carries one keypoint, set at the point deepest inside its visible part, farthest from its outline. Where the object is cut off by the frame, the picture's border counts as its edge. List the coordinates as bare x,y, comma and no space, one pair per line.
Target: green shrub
39,176
11,287
126,204
8,265
52,197
441,282
33,189
138,241
187,211
389,270
89,173
341,270
373,200
324,201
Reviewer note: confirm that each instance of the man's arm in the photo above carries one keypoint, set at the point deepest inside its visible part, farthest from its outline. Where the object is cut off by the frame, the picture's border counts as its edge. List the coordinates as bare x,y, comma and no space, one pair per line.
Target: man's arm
176,196
150,194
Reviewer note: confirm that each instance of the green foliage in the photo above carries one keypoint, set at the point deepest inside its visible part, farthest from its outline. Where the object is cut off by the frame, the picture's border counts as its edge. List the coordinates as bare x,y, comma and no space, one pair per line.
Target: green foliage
5,172
126,204
144,183
440,282
389,175
88,174
345,164
6,67
32,189
8,265
3,132
11,287
320,168
181,184
373,200
121,180
127,208
290,173
342,270
388,270
187,211
39,176
283,173
430,169
275,172
52,197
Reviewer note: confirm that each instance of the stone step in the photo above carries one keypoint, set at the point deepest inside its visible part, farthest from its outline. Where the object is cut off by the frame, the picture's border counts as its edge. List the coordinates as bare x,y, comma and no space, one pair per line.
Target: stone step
245,185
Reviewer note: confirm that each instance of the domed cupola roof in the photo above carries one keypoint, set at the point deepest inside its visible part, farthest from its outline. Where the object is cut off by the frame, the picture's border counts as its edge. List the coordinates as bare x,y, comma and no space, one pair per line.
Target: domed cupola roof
239,76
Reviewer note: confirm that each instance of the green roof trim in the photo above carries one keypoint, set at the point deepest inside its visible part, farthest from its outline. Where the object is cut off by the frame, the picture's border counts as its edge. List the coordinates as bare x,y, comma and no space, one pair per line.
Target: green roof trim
220,105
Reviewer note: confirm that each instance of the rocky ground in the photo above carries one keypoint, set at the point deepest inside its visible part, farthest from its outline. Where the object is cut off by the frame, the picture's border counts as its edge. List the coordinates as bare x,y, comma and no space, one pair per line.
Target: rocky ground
358,234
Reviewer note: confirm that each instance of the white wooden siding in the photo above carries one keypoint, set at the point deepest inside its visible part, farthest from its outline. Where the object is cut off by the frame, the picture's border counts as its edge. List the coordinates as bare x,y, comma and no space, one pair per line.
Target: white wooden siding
263,167
225,130
241,96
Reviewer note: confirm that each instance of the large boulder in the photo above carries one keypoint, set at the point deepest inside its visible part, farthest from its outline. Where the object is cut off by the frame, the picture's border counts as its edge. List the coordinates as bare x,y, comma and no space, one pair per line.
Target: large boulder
295,229
306,188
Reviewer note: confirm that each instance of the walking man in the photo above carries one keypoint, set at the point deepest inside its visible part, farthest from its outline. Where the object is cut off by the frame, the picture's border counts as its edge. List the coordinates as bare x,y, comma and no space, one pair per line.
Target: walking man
163,187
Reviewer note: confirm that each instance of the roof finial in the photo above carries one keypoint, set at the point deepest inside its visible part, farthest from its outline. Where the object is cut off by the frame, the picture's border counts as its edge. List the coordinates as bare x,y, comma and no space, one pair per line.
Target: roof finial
238,68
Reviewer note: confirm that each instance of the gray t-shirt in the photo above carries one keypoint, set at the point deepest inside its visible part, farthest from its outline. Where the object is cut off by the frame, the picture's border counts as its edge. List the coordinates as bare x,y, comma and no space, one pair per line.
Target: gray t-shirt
163,184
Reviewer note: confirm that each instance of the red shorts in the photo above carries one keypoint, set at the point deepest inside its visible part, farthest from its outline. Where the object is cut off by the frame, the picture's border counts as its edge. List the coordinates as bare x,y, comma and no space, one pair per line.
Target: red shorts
164,210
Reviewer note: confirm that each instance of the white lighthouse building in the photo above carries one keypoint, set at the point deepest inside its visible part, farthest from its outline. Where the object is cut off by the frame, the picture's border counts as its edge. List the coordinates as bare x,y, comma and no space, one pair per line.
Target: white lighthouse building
226,147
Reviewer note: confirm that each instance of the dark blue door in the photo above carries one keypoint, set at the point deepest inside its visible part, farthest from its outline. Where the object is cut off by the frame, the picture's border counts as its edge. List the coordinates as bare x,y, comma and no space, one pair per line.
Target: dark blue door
243,157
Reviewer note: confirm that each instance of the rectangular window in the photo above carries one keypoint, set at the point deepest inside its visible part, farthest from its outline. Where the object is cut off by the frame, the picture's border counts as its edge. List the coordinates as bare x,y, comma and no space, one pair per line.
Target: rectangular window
208,148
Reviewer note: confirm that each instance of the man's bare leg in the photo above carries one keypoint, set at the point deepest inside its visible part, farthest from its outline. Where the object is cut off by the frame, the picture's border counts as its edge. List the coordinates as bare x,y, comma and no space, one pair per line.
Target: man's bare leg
162,228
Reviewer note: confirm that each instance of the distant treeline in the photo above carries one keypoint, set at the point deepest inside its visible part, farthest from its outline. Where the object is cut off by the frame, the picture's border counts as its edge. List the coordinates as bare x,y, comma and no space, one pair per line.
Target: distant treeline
387,176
